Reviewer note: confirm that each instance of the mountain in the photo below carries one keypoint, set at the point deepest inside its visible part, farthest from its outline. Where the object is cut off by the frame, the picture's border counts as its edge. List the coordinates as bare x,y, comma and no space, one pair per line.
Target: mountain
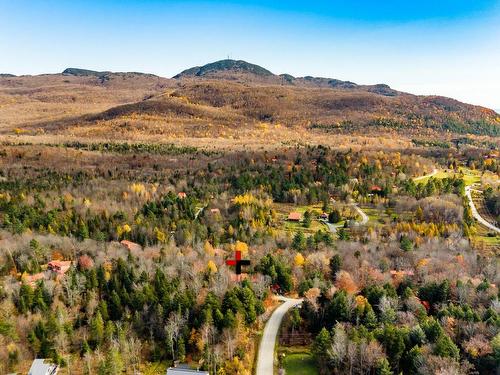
7,75
227,99
242,71
106,75
224,68
82,72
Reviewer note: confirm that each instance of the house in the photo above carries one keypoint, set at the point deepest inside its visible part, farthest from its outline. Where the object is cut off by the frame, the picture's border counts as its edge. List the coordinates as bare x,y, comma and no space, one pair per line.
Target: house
375,189
184,370
42,367
59,266
323,216
181,195
131,246
294,216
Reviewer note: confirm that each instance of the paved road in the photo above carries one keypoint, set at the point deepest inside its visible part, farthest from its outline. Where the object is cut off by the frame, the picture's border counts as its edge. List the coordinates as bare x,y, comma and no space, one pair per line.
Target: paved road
265,359
427,175
475,213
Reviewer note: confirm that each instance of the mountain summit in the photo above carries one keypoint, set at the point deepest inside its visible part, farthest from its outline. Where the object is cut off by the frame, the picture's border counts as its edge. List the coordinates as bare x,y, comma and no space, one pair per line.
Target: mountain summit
225,67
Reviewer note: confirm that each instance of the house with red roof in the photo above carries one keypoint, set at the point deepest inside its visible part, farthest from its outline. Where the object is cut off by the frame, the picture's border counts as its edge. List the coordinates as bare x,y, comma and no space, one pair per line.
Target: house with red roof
294,216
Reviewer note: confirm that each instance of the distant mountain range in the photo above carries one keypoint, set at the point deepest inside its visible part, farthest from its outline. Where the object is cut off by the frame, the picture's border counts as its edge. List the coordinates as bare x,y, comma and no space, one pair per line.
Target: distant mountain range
224,97
238,70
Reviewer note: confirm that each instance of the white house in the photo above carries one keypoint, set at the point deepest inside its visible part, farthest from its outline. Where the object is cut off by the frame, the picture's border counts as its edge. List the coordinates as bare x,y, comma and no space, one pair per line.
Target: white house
42,367
184,370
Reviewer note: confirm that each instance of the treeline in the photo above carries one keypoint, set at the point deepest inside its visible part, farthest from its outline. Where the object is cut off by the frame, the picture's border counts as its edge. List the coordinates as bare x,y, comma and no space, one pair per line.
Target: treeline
408,328
115,305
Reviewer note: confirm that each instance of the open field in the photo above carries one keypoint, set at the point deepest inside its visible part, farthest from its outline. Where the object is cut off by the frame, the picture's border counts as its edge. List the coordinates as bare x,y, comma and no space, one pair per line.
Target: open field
298,361
283,209
469,176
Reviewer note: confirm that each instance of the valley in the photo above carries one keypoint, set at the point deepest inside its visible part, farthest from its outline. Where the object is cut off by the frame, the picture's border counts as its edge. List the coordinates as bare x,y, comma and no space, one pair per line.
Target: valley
368,217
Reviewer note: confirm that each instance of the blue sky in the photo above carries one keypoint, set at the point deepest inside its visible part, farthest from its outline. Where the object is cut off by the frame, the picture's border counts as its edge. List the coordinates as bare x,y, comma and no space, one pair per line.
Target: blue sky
447,47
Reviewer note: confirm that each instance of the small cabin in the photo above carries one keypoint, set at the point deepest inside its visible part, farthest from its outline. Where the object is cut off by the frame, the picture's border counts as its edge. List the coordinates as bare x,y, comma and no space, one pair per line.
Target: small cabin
294,216
181,195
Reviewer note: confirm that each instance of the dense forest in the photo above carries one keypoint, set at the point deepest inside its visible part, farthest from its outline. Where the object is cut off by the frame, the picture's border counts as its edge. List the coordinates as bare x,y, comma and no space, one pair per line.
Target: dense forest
115,262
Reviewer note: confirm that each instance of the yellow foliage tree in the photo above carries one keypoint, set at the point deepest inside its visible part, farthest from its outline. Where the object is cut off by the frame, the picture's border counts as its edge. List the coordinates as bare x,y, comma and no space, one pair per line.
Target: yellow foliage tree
241,246
235,367
211,267
160,235
123,229
299,260
209,250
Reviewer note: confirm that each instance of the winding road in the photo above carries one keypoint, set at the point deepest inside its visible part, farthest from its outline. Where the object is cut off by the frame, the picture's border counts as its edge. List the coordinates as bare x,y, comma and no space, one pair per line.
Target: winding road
475,213
265,359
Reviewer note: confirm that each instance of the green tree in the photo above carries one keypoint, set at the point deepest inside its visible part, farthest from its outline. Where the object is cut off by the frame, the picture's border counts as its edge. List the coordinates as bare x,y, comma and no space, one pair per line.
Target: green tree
113,362
383,367
299,241
446,348
406,244
320,348
307,219
97,328
393,340
334,216
335,265
338,309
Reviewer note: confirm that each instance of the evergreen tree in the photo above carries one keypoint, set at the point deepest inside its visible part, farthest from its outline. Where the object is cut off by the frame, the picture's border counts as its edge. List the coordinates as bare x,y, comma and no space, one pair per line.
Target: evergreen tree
335,265
320,348
97,328
383,367
299,241
334,217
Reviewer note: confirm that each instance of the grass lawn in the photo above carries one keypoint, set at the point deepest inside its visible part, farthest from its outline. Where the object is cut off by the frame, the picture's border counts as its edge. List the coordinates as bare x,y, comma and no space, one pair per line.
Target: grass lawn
283,209
469,176
299,363
482,235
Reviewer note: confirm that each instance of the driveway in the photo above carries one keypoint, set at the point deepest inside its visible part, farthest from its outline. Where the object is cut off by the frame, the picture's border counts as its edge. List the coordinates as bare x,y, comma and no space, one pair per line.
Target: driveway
265,359
426,176
475,213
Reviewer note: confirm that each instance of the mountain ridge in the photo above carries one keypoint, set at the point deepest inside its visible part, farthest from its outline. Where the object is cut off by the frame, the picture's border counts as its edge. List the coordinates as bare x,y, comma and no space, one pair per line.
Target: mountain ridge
224,98
241,70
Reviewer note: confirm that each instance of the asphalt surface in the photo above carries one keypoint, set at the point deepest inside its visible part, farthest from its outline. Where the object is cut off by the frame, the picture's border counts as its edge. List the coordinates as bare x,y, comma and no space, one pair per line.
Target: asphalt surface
476,214
265,359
